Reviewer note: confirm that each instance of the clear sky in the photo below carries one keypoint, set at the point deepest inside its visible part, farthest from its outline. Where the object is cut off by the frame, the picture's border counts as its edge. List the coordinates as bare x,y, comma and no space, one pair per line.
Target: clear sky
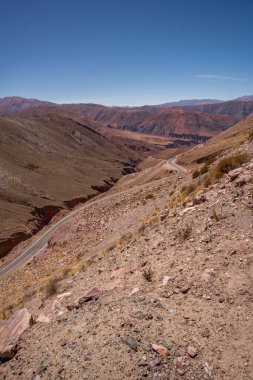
126,52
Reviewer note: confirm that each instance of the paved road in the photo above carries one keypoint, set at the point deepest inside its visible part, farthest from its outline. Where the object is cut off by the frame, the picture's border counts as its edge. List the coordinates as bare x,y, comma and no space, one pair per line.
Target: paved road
35,247
172,164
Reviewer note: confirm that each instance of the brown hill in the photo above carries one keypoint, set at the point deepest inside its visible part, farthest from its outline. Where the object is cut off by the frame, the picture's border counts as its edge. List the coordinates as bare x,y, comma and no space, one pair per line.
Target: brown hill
14,104
184,123
49,162
193,125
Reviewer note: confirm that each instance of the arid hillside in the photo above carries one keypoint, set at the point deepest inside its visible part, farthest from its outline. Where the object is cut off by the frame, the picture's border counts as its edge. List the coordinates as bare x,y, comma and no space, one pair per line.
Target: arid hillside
49,162
179,123
153,282
225,141
188,127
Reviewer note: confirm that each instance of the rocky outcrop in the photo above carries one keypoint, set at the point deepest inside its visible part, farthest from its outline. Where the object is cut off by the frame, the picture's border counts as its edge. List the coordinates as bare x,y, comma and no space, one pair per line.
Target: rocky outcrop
11,332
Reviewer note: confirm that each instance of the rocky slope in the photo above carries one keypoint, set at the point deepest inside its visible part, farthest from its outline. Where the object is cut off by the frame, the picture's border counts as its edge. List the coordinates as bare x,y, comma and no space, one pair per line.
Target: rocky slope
169,297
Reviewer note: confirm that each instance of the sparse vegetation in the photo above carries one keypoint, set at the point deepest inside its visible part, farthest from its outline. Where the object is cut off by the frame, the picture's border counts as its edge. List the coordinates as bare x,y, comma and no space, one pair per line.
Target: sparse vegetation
216,215
186,190
207,181
195,174
149,196
184,231
204,169
230,163
51,287
251,136
148,274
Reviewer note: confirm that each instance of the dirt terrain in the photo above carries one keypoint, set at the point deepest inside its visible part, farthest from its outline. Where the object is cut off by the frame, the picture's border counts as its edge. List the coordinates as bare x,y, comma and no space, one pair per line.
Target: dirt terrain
170,265
34,183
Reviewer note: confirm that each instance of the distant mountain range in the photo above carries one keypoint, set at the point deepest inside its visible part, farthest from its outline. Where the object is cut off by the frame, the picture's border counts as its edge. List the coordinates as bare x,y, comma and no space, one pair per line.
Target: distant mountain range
197,119
191,102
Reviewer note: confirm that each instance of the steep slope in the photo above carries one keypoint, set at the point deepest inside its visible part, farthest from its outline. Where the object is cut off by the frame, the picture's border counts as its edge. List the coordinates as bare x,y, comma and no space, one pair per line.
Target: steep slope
231,138
183,123
48,162
168,295
167,122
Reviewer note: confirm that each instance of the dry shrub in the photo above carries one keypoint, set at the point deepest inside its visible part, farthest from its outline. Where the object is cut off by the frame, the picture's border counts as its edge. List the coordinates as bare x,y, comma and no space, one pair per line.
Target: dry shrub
217,216
251,136
149,196
195,174
230,163
186,190
207,181
51,287
184,231
148,274
204,169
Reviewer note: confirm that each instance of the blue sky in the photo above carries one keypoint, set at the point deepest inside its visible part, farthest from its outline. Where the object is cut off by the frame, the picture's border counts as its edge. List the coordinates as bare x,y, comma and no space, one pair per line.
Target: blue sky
126,52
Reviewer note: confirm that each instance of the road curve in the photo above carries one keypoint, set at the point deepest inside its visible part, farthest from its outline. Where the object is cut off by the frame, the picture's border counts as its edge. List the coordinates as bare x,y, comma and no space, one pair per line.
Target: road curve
172,165
36,246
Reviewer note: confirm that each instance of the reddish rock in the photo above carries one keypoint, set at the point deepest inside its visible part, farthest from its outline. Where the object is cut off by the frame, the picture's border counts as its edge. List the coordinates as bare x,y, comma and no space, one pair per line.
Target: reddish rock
192,351
88,297
199,199
185,289
161,350
13,329
221,299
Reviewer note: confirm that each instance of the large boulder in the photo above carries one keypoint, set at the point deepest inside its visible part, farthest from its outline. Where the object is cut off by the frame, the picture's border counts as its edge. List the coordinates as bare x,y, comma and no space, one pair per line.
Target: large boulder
13,329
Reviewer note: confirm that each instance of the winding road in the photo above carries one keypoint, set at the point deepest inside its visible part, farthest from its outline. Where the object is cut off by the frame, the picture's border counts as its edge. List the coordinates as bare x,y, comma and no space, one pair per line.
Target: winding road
31,251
